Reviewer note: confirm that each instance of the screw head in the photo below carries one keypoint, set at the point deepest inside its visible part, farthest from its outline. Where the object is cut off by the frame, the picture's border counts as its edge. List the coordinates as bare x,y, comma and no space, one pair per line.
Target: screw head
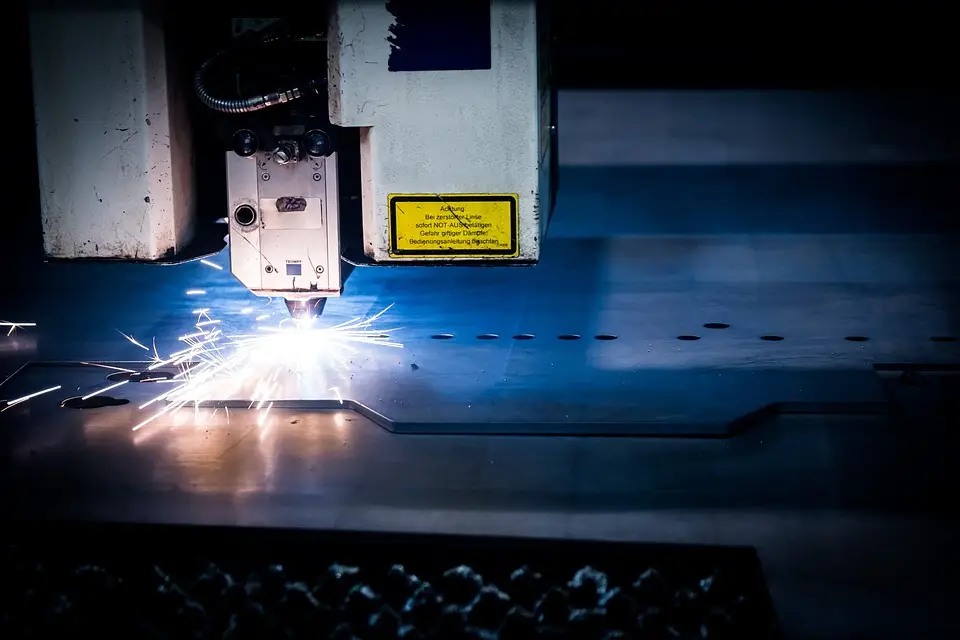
320,268
316,177
286,153
265,177
268,268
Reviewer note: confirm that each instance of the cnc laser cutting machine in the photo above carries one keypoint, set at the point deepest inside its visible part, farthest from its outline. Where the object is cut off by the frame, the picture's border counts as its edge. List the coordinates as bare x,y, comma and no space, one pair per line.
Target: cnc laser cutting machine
445,108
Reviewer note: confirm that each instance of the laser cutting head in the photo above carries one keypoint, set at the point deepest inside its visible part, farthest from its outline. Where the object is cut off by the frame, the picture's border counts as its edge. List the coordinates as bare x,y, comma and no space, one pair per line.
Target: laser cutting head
305,309
284,227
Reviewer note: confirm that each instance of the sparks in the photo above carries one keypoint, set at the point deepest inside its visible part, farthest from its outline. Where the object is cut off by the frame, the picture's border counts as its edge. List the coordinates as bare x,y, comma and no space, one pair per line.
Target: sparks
196,292
16,325
105,389
29,396
215,364
134,341
107,366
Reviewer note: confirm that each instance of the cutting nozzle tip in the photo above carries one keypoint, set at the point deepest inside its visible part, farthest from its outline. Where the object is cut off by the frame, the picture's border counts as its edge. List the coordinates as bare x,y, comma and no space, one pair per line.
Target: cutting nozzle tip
305,309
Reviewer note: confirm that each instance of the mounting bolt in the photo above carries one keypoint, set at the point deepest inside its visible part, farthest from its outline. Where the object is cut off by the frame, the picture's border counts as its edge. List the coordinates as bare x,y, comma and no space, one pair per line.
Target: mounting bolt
286,152
316,177
268,268
265,177
319,268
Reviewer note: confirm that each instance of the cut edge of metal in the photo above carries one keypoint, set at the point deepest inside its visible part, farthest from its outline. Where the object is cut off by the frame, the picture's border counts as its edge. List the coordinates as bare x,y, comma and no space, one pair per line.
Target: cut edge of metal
720,429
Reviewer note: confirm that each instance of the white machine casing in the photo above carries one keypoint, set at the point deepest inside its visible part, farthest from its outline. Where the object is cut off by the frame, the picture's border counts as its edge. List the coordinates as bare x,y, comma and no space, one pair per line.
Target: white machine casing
457,136
114,148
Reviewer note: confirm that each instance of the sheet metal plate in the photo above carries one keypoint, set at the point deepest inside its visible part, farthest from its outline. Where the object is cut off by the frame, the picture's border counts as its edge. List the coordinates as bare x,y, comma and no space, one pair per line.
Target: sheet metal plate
644,291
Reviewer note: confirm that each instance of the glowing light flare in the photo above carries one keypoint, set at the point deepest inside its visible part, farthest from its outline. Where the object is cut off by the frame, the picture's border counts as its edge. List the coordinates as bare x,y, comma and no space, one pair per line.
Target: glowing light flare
211,264
196,292
215,364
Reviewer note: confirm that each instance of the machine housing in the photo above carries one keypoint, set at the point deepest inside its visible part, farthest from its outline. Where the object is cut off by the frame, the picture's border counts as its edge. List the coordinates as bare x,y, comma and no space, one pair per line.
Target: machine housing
455,137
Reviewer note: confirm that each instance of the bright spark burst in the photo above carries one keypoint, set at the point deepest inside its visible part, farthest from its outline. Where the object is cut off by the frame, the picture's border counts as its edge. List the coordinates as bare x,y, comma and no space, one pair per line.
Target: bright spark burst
13,326
258,365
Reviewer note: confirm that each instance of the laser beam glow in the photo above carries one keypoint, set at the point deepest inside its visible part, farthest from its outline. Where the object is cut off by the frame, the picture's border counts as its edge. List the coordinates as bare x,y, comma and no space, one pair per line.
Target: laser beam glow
215,364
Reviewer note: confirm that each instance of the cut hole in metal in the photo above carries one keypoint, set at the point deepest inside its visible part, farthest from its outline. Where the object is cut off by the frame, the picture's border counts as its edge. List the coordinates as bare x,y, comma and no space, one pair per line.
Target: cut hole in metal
94,402
487,336
524,336
568,336
943,339
605,336
856,338
688,337
140,376
716,325
442,336
772,338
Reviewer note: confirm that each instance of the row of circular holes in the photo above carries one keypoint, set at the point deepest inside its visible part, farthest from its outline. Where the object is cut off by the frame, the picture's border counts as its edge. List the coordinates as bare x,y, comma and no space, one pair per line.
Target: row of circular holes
688,337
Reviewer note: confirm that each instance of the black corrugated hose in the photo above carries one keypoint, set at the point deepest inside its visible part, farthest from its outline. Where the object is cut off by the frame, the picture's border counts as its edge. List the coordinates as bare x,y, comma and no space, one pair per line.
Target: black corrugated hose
252,103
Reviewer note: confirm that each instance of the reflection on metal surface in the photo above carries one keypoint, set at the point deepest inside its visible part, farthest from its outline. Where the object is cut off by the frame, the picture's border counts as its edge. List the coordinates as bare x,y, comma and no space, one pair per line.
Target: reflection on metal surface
18,344
214,450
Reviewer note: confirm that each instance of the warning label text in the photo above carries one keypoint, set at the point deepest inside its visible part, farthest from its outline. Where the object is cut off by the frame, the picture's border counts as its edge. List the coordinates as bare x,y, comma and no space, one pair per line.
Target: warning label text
456,225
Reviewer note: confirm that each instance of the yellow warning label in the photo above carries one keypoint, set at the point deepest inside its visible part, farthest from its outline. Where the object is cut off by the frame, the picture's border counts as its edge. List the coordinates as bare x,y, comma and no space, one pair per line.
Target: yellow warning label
460,225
